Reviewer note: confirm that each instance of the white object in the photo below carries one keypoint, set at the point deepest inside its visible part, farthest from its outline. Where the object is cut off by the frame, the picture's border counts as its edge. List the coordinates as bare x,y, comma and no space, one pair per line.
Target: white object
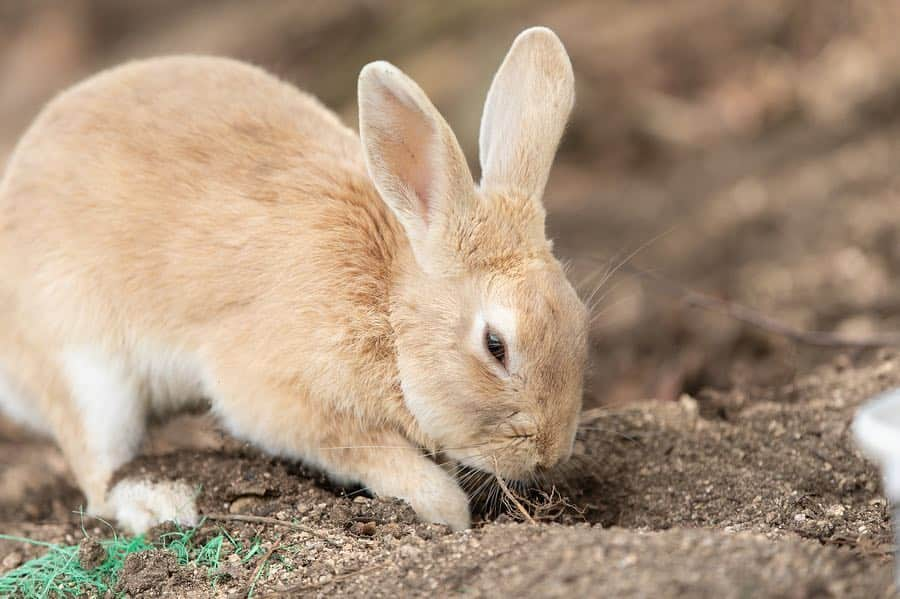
876,428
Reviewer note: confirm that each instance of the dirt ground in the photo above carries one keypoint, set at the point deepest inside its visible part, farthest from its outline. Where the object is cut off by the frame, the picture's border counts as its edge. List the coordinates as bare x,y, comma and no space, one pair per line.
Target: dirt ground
745,150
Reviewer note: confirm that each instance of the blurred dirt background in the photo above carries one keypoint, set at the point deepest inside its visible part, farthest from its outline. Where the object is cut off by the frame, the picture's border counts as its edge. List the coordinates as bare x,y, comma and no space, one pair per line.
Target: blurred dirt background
748,150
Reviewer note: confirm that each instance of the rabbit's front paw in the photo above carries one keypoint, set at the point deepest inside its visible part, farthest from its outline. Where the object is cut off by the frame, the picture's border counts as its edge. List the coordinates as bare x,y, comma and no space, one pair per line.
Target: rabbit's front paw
388,465
444,503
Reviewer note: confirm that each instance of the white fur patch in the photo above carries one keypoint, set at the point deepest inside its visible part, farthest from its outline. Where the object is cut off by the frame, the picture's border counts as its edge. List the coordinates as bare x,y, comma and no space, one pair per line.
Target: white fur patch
115,394
139,504
170,379
20,408
108,397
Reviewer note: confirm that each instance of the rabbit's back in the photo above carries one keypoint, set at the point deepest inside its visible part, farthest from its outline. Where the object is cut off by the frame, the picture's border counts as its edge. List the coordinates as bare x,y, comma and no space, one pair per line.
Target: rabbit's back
191,202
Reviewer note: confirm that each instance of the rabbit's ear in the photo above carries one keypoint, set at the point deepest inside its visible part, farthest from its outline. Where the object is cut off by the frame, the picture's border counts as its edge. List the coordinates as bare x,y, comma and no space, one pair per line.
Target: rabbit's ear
525,113
412,155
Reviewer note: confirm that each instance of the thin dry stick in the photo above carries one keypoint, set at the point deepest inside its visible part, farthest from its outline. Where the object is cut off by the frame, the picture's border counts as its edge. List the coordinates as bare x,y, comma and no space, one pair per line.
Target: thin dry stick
509,495
272,521
767,323
276,544
299,588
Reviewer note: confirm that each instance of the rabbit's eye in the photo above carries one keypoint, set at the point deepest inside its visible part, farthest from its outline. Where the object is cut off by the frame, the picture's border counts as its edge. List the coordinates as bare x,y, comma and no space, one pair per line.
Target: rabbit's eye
495,346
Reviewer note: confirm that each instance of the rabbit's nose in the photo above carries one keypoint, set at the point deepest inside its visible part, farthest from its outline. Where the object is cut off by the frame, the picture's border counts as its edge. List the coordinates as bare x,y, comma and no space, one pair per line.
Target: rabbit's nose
550,459
554,455
546,466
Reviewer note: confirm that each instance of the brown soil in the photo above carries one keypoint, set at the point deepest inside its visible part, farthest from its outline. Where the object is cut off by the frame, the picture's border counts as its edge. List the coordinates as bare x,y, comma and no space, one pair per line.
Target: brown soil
751,146
731,494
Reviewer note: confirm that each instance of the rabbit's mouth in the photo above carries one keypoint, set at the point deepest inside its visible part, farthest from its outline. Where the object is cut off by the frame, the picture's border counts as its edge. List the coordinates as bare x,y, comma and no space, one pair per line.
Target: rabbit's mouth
511,459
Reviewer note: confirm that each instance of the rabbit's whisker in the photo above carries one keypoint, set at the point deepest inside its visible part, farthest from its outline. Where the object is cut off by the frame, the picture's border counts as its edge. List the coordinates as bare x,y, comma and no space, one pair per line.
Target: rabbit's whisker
610,272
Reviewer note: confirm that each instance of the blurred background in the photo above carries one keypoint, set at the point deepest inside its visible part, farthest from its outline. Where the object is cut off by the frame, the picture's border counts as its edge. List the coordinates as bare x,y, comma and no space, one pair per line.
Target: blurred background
746,149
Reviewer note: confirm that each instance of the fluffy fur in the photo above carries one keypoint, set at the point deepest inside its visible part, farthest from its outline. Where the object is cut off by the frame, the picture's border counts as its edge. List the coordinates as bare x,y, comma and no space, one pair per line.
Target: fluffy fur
191,227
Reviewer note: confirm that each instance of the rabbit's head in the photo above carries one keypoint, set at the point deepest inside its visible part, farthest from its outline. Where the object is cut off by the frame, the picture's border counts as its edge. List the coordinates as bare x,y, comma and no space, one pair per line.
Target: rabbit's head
491,338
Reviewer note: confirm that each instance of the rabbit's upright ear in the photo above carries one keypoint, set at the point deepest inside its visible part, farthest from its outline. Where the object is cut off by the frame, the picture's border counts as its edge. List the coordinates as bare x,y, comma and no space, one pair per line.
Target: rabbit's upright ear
412,155
525,113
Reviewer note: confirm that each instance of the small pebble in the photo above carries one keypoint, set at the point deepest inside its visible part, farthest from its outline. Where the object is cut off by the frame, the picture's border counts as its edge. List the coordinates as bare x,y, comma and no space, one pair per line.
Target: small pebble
363,529
835,511
393,529
11,560
243,505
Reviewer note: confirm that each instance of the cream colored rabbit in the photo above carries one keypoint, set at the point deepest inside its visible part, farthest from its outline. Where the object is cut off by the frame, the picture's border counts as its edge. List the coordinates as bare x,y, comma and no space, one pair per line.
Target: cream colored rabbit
187,229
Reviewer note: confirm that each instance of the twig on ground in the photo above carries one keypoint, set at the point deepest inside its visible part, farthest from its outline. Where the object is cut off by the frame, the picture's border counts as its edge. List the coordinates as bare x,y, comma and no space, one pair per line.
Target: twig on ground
551,506
515,500
759,320
276,544
272,521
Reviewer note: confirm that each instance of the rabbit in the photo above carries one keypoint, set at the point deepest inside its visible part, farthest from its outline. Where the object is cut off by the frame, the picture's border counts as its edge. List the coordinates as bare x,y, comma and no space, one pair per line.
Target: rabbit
191,230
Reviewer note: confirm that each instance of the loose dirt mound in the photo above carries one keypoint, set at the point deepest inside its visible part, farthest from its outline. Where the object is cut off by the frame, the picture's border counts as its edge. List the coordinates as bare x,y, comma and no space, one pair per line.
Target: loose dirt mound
735,494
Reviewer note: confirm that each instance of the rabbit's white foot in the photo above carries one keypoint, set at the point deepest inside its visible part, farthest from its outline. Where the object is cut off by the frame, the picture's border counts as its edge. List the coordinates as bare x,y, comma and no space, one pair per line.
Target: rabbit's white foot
140,504
441,500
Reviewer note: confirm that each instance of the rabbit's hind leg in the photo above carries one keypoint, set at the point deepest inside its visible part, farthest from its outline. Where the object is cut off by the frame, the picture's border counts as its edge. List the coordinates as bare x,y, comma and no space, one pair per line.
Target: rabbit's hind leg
100,425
